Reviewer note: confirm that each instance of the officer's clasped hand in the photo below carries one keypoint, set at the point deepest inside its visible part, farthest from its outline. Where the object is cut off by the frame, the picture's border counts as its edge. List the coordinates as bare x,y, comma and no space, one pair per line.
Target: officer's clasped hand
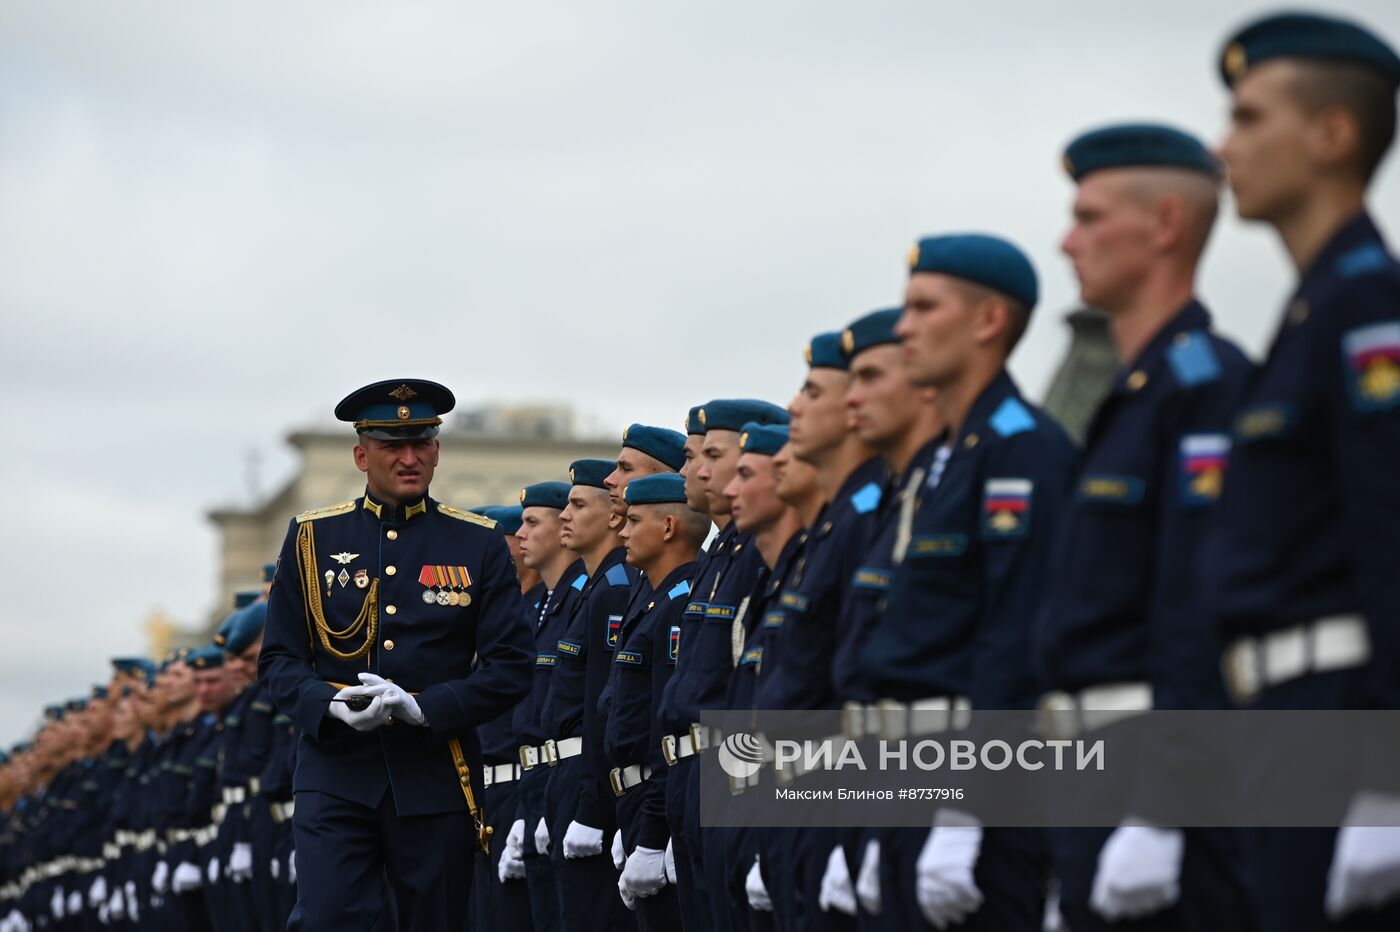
396,699
368,720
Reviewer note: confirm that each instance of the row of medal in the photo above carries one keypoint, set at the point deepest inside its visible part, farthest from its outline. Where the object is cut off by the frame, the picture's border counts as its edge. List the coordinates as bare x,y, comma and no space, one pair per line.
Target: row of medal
450,583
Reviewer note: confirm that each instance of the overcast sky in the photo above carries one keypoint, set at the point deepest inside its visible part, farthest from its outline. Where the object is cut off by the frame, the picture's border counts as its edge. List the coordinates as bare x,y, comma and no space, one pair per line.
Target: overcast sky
216,222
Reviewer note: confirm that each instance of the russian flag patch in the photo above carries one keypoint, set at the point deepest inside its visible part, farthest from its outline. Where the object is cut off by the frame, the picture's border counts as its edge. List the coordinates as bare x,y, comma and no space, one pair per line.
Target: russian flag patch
1202,474
1006,507
614,626
1372,355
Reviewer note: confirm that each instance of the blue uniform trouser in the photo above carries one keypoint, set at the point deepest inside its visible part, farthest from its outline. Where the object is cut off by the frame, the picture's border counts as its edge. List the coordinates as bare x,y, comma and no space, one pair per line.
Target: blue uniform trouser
539,874
587,886
662,912
1012,872
346,851
810,851
686,847
496,906
1212,888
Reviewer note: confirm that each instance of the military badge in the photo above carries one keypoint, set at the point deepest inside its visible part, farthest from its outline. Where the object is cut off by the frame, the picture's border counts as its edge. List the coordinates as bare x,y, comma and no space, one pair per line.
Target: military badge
343,578
361,578
1372,355
614,629
1006,507
344,558
673,644
1202,472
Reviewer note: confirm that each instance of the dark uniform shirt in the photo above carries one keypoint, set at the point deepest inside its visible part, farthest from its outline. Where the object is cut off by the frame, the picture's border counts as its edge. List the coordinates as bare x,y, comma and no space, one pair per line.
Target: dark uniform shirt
679,705
531,727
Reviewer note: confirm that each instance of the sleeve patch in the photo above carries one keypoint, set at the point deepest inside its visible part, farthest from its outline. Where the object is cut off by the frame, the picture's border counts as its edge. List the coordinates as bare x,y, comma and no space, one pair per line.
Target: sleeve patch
1368,258
1120,490
569,648
616,575
629,658
679,590
1372,357
614,628
866,499
719,611
1202,474
1265,420
673,645
544,660
1006,507
1193,359
696,608
795,601
1011,418
773,620
937,545
751,656
872,577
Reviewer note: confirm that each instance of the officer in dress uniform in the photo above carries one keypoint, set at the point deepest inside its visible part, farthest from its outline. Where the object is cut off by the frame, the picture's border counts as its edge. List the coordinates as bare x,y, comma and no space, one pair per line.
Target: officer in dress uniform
542,549
391,597
500,899
725,575
1121,626
971,554
1301,568
661,536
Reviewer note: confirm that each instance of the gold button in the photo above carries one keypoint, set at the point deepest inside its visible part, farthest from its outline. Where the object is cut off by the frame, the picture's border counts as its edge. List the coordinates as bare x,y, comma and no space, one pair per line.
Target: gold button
970,441
390,570
389,609
391,534
389,645
1136,380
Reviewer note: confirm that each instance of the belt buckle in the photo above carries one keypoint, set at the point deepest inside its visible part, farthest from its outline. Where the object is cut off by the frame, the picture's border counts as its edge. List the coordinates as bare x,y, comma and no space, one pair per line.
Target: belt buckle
668,749
696,731
615,778
525,751
551,752
488,776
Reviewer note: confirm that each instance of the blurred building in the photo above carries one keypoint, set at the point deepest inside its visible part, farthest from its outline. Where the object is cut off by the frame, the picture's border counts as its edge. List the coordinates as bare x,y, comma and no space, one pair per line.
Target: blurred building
488,455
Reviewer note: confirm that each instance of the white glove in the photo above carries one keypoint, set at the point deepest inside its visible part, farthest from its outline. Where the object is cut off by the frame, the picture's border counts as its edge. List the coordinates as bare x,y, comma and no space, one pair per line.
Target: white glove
116,907
759,900
619,856
186,877
368,720
75,903
292,868
274,867
213,870
240,862
515,838
542,837
837,892
396,699
670,863
629,899
1139,872
512,866
868,880
1365,870
944,887
133,910
56,904
644,874
97,893
582,841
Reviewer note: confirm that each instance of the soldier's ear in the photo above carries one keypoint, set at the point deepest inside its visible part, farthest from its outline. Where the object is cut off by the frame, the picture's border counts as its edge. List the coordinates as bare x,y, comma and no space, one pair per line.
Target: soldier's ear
671,529
361,457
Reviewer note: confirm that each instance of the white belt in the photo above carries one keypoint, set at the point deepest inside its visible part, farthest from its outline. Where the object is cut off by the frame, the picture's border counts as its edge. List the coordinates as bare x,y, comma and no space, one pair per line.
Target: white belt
531,756
281,812
218,812
254,786
1066,715
563,749
1253,664
234,795
675,747
202,836
624,778
491,774
894,721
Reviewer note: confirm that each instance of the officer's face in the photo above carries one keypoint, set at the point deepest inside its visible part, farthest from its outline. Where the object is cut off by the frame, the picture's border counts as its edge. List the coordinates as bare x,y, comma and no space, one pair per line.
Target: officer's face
718,457
584,523
397,470
213,689
795,479
644,534
1272,146
941,328
753,493
694,488
631,464
539,536
820,419
1111,239
882,400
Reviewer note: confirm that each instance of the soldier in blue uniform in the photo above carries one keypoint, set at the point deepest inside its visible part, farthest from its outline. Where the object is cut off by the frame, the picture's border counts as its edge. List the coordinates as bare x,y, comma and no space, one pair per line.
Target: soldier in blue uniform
702,671
412,604
646,451
661,535
563,574
971,554
1121,627
1302,562
574,803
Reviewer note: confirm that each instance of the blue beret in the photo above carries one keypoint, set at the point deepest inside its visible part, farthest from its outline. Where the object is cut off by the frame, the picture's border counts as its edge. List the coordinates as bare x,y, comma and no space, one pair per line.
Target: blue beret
99,691
590,472
766,439
976,257
269,572
507,517
54,711
664,487
874,329
4,758
175,655
76,705
225,626
246,597
824,352
545,495
1307,35
693,424
245,628
21,746
1138,145
734,413
206,658
660,443
397,409
132,665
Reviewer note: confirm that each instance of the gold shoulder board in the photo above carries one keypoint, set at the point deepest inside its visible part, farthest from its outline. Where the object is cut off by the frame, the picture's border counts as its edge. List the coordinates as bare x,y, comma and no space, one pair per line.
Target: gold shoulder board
470,516
326,512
